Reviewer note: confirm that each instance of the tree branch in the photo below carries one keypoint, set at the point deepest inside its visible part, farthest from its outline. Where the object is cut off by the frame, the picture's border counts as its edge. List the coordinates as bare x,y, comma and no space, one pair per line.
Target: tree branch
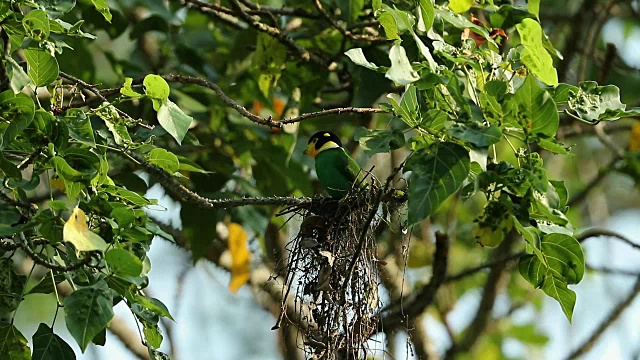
489,294
302,53
345,32
180,192
613,316
602,173
602,232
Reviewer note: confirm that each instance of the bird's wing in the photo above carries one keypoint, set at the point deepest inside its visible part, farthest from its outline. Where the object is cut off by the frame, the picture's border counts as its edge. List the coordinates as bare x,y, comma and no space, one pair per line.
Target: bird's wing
349,168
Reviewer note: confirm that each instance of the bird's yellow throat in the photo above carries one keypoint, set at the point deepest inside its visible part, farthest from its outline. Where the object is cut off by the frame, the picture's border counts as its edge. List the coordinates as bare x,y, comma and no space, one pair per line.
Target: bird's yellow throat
313,152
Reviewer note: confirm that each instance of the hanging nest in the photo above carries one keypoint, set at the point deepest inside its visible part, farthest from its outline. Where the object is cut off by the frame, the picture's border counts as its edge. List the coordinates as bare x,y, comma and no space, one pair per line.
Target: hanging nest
332,273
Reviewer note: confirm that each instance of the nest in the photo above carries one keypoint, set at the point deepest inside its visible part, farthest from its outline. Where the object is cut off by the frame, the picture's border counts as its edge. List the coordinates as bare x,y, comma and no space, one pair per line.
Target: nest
332,274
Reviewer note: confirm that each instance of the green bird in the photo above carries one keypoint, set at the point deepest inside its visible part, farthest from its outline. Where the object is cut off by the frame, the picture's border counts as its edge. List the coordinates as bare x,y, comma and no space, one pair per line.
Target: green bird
336,170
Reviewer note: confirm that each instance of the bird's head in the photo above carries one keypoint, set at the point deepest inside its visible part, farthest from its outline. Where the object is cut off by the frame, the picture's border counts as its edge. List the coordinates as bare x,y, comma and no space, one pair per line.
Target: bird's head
321,141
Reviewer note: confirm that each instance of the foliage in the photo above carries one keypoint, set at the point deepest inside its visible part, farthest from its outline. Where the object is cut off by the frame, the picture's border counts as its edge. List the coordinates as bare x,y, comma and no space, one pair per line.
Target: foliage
473,113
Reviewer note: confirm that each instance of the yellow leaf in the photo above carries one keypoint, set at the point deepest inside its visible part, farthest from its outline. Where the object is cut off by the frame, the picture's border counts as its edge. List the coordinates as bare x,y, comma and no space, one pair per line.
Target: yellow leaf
239,257
76,231
57,183
634,141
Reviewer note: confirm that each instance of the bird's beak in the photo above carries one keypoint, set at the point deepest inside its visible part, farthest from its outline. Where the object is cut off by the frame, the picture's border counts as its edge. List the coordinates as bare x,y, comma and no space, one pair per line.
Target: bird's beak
310,150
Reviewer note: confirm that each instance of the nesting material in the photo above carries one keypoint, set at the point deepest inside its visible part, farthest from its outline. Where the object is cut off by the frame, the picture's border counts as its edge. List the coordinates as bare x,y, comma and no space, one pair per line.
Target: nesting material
333,271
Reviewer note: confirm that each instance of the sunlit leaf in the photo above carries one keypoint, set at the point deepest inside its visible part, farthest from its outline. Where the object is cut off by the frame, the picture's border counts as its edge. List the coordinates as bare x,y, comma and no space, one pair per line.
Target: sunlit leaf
76,231
401,71
534,55
164,159
174,120
460,6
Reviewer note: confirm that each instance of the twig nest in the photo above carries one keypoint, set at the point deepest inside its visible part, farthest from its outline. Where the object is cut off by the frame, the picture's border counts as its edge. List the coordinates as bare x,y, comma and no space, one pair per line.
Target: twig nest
332,270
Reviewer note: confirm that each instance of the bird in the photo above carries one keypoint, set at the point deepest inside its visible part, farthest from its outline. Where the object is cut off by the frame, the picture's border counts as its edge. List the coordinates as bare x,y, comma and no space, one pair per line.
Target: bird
336,170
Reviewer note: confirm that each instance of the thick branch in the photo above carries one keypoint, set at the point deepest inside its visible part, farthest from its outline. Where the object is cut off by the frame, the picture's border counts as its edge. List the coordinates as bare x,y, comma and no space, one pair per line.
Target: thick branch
613,316
397,313
489,294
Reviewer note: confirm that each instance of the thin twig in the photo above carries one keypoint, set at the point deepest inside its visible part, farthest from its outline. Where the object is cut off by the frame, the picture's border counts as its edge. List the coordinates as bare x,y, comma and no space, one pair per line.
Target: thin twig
602,174
413,305
602,232
180,192
612,271
343,31
606,323
302,53
474,270
86,260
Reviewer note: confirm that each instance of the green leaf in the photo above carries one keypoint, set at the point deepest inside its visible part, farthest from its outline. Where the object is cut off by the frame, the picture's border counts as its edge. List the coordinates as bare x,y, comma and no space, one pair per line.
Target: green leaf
379,141
561,191
564,256
13,345
127,90
46,285
18,110
154,305
428,14
401,72
43,68
57,8
538,108
123,263
103,9
562,263
187,165
80,126
357,56
49,346
388,22
18,78
268,61
11,287
9,168
123,216
460,6
164,159
128,195
438,173
477,134
36,24
156,89
152,334
594,103
534,55
534,7
88,311
535,272
462,23
174,120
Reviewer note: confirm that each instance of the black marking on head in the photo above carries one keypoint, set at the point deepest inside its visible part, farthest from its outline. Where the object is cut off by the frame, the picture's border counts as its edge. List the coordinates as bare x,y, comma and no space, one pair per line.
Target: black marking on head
322,137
